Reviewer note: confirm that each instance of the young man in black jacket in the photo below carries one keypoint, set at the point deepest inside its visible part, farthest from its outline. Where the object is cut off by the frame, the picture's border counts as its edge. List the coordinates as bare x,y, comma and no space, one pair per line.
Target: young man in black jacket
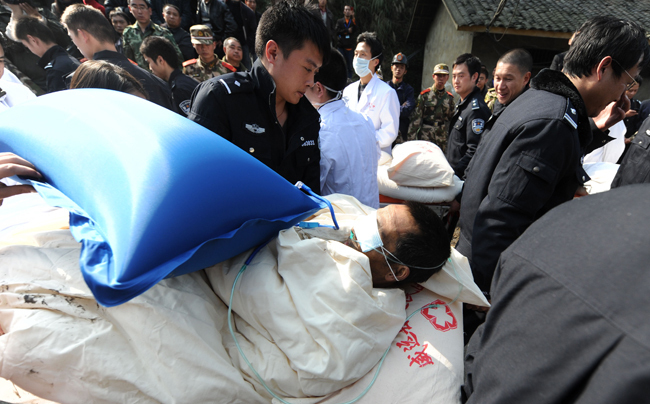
264,111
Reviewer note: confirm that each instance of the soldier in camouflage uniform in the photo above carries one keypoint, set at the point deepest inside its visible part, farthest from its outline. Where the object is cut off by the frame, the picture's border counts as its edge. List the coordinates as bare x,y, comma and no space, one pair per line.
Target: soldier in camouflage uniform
207,65
133,35
434,110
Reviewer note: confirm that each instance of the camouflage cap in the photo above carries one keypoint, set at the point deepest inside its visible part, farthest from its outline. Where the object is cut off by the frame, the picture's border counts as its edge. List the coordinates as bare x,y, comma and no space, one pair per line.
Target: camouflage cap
441,68
201,35
400,58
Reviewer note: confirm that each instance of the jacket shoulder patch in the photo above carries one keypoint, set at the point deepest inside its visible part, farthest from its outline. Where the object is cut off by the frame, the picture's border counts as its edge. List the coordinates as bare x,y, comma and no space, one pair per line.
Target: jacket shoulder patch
425,91
571,115
189,62
236,83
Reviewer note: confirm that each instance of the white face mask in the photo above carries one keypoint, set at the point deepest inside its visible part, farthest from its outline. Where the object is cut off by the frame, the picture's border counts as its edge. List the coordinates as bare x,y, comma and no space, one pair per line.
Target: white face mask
339,94
361,66
366,230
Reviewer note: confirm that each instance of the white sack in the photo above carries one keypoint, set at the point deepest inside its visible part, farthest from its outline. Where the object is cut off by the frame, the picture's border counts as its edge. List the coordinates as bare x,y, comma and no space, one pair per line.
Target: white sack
388,187
419,163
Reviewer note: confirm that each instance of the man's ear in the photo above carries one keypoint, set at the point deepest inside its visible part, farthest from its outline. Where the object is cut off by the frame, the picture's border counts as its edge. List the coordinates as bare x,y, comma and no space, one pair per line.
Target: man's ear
272,51
475,78
401,272
159,60
527,78
602,66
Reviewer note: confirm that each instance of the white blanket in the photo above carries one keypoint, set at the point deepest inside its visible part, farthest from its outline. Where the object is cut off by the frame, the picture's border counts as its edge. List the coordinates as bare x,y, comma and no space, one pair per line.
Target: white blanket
171,344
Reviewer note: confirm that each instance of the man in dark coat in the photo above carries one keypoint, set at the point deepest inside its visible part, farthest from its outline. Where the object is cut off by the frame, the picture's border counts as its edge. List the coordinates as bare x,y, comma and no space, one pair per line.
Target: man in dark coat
531,160
39,39
94,35
264,111
569,321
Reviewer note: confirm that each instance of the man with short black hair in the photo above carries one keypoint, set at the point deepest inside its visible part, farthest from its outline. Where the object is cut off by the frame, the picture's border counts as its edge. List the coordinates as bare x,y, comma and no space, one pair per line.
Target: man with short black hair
160,55
94,35
348,148
347,31
233,50
172,18
263,111
531,160
143,28
511,77
369,95
39,39
404,92
471,113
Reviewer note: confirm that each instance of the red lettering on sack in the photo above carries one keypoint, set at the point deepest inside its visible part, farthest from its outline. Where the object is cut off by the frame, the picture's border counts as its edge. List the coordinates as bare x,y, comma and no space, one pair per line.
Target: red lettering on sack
421,358
439,319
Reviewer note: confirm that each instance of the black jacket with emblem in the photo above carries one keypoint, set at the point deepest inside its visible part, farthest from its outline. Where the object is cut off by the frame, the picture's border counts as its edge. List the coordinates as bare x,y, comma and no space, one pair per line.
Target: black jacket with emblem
467,125
182,87
240,107
529,163
57,65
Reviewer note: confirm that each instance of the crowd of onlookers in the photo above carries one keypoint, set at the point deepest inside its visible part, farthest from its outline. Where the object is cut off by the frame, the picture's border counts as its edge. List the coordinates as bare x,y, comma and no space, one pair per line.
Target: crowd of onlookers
276,86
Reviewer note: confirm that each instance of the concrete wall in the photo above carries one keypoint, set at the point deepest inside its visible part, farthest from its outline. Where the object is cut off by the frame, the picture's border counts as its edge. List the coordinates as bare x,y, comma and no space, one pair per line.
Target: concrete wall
444,44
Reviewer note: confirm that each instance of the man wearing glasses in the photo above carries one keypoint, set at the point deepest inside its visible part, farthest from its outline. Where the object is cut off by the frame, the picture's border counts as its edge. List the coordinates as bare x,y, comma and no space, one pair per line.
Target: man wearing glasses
531,161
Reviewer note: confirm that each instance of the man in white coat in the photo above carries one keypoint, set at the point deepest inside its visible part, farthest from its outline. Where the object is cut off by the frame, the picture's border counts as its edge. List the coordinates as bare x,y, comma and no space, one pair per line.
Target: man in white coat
370,95
348,148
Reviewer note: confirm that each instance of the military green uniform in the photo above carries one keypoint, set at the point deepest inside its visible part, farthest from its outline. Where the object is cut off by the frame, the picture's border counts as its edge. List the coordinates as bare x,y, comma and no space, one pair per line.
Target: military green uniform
202,72
430,119
232,68
490,98
133,37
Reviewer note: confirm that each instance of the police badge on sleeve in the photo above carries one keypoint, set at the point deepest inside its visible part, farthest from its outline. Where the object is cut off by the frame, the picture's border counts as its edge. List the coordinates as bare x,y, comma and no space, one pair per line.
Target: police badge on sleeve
477,126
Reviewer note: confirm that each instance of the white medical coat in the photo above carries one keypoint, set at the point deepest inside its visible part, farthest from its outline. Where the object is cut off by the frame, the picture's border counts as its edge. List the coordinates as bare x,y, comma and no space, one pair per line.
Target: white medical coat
378,102
348,150
16,94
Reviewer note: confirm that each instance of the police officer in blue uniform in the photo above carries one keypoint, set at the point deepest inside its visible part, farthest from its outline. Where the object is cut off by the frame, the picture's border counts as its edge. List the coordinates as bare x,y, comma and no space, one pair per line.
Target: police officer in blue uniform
468,122
264,111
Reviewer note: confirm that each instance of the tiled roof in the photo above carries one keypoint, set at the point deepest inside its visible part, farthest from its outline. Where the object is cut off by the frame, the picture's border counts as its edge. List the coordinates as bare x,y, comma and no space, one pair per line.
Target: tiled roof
546,15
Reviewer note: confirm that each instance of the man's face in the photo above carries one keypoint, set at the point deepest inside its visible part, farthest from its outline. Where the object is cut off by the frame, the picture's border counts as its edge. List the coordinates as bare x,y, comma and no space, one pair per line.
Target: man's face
154,67
206,52
440,80
362,51
394,222
399,70
322,4
482,79
462,81
632,91
140,11
347,11
172,17
252,4
294,75
119,23
509,82
609,88
233,51
80,44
